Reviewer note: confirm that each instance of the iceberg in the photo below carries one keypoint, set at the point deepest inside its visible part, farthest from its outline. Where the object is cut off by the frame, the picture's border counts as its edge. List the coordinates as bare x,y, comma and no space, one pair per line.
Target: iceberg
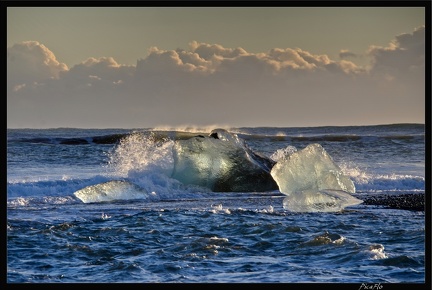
223,163
313,182
111,190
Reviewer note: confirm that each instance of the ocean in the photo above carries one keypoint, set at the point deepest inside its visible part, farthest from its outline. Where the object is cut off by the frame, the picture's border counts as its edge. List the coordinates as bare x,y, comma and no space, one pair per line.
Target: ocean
153,228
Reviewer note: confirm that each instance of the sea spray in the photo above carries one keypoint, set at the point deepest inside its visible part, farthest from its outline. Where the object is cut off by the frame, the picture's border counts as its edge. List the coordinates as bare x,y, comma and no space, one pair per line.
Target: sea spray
146,159
142,152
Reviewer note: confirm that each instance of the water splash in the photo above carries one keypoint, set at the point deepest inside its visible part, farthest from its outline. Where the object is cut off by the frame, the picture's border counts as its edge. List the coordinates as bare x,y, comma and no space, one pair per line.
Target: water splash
146,159
142,151
283,153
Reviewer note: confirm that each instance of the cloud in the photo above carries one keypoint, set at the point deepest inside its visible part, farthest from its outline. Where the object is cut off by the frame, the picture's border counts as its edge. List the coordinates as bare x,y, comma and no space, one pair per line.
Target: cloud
30,61
344,53
96,70
404,55
207,51
211,84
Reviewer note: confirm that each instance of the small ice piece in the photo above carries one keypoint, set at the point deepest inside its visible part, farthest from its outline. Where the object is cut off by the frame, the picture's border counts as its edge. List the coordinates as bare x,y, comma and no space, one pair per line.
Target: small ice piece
313,182
319,201
111,190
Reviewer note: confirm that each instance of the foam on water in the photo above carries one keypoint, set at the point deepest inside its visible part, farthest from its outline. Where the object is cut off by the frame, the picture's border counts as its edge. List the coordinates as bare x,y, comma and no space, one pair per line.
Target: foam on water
375,182
32,201
51,187
376,252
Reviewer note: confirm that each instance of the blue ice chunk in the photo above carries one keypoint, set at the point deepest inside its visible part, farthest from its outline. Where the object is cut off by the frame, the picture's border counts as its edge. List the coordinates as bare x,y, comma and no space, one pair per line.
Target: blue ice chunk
111,190
312,181
223,163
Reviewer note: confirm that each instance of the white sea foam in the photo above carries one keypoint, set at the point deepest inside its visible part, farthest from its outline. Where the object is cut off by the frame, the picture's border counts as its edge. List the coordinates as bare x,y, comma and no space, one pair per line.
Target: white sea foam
219,208
376,252
376,182
50,187
32,201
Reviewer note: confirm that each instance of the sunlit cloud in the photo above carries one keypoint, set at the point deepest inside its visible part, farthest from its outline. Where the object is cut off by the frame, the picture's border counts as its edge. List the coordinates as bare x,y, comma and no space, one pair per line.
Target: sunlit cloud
31,61
208,82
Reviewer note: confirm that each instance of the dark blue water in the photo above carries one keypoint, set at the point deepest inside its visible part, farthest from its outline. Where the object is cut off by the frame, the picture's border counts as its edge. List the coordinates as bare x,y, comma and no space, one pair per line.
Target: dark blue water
190,234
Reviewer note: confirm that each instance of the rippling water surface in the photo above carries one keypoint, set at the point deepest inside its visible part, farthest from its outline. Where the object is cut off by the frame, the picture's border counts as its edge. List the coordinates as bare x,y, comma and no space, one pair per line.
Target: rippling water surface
190,235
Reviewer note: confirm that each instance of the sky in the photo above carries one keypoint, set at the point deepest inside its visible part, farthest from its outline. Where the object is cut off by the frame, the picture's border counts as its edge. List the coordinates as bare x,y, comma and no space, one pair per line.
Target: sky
142,67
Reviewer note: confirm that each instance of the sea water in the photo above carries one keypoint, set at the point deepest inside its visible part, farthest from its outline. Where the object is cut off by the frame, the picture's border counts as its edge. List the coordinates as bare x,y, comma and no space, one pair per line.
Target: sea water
189,234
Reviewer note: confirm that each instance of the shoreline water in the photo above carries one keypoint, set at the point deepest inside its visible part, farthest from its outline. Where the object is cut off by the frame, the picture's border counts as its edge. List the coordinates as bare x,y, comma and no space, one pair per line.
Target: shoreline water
185,233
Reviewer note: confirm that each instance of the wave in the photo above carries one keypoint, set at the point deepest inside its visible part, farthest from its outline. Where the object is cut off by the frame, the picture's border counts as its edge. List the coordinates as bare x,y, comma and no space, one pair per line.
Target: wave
44,200
161,187
40,188
394,132
105,139
145,158
182,135
110,138
191,128
369,182
158,186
